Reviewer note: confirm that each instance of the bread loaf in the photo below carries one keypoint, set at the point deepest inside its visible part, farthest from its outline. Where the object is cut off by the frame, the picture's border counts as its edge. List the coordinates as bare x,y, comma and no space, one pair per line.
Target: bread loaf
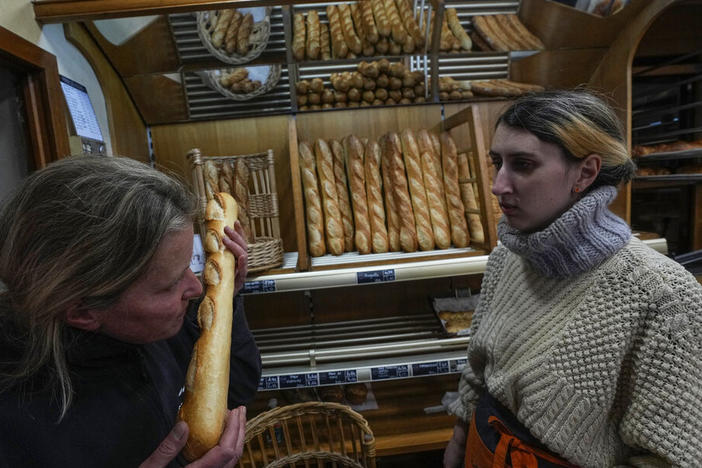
355,171
374,193
339,47
415,179
342,191
470,203
400,191
431,167
299,36
207,379
220,29
392,215
456,211
330,201
232,32
313,45
313,203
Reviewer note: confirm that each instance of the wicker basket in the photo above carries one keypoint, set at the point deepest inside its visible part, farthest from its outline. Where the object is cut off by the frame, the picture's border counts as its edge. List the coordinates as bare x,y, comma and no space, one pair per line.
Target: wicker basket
211,78
258,204
260,32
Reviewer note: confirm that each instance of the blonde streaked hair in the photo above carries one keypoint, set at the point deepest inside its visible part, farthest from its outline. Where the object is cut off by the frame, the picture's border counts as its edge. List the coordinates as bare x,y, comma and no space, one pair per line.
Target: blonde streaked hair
580,123
81,230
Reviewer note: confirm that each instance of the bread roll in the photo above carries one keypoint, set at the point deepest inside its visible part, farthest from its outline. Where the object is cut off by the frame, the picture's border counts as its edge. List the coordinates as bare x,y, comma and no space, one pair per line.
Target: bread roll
313,203
431,167
456,211
374,192
392,149
313,45
207,379
413,164
232,32
242,39
299,36
330,201
355,171
342,191
470,203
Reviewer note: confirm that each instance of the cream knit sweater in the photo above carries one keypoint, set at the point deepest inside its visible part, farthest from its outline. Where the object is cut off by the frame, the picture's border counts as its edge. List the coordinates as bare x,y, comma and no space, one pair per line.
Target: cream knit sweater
603,366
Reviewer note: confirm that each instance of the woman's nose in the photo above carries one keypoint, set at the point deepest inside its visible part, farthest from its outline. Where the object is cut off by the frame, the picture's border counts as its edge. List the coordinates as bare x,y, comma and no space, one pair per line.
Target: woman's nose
500,183
194,287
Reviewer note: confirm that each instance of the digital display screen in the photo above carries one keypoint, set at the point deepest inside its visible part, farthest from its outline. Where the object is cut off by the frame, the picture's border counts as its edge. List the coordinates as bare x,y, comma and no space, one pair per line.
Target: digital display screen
81,109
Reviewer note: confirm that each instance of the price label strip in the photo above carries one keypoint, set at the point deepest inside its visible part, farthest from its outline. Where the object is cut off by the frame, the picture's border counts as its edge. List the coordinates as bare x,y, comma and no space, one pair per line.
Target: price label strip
375,276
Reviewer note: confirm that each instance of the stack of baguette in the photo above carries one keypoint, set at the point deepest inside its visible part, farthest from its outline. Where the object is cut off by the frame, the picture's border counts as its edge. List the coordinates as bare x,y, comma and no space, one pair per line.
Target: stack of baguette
372,84
232,177
503,33
237,81
231,30
404,192
363,28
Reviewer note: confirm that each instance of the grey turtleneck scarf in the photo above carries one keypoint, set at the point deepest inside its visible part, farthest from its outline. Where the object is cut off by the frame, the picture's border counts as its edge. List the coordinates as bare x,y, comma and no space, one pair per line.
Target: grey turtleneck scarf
580,239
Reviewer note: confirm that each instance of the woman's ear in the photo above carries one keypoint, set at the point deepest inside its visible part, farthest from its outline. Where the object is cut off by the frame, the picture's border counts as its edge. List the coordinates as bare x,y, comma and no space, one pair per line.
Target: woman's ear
78,316
589,169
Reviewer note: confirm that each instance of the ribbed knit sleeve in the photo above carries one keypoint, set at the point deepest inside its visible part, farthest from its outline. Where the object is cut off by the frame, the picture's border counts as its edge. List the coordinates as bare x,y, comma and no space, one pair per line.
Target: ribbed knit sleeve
471,385
662,393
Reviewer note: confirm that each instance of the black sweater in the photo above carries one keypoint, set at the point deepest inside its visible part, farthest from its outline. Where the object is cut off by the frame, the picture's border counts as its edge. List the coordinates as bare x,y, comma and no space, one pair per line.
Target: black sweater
126,399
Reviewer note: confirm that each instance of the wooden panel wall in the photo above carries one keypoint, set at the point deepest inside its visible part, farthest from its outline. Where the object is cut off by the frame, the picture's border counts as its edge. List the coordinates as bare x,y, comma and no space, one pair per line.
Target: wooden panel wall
127,128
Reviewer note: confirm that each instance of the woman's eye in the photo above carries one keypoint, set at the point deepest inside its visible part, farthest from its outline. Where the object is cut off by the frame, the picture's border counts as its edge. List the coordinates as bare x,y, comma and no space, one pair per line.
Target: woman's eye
497,163
522,165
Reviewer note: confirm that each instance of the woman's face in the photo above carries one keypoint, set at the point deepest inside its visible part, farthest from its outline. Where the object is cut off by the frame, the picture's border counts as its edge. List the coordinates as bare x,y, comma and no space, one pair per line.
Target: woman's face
154,306
532,180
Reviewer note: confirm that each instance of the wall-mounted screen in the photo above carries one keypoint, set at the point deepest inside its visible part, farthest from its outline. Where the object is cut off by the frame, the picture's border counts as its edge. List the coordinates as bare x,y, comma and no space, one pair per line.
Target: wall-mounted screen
81,109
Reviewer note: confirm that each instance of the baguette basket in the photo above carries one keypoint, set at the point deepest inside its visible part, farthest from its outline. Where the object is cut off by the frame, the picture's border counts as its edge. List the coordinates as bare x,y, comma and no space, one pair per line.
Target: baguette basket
258,205
211,79
258,38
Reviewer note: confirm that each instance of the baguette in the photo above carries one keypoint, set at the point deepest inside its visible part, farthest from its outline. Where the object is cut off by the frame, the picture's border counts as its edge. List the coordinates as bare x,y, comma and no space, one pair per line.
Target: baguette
330,200
299,36
401,195
457,29
220,29
513,39
381,18
420,206
475,225
225,178
436,198
404,7
374,193
325,49
456,211
211,174
350,37
242,39
484,28
313,204
313,45
240,187
339,47
531,40
354,154
393,217
342,191
372,34
207,379
232,32
399,35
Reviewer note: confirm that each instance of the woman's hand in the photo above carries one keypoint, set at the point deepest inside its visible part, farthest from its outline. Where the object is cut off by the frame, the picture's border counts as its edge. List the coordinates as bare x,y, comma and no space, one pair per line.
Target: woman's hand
455,453
223,455
236,242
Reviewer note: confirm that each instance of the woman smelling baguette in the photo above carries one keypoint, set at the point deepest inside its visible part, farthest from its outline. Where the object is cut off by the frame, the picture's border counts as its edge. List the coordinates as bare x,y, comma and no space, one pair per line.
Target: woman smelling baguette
98,320
585,346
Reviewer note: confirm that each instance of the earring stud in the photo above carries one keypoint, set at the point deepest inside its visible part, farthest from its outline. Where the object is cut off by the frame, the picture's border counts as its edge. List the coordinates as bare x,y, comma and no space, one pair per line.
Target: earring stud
576,189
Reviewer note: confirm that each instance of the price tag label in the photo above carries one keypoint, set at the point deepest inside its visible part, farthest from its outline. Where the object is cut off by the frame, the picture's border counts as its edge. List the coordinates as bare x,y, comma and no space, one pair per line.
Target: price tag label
390,372
257,287
376,276
299,380
338,377
268,383
430,368
457,365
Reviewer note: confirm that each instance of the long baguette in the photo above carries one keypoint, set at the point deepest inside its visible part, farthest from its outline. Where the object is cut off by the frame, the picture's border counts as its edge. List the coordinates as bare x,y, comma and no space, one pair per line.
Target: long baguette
342,191
211,174
484,28
336,32
354,154
403,199
240,185
457,29
352,40
527,36
374,193
220,30
431,167
299,36
381,18
413,164
207,379
456,211
313,45
330,201
232,32
393,217
313,203
470,203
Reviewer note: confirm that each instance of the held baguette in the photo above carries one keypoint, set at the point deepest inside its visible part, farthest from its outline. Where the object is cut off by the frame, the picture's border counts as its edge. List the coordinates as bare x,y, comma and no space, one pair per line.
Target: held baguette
207,379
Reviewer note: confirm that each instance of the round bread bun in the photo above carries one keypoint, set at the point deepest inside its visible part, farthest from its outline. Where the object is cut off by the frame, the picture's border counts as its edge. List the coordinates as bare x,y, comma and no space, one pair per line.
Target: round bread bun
356,393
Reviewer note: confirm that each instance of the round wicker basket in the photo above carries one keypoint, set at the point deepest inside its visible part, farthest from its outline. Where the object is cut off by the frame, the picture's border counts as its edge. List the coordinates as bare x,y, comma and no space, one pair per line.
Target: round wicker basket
211,78
258,39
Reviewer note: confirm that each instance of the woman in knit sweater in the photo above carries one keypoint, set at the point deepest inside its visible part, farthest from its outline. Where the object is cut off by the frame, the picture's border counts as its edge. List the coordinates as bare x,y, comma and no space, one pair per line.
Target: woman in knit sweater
586,344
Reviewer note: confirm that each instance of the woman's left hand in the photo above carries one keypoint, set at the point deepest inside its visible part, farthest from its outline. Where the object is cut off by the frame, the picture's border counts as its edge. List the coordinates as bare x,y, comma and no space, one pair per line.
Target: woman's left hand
236,242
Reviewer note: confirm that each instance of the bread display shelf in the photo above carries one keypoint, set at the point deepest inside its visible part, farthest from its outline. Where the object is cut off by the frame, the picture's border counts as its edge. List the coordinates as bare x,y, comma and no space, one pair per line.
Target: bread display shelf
671,155
373,124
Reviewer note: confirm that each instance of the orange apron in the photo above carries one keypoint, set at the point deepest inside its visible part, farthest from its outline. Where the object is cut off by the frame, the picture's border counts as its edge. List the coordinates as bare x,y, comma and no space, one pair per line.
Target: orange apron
510,451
